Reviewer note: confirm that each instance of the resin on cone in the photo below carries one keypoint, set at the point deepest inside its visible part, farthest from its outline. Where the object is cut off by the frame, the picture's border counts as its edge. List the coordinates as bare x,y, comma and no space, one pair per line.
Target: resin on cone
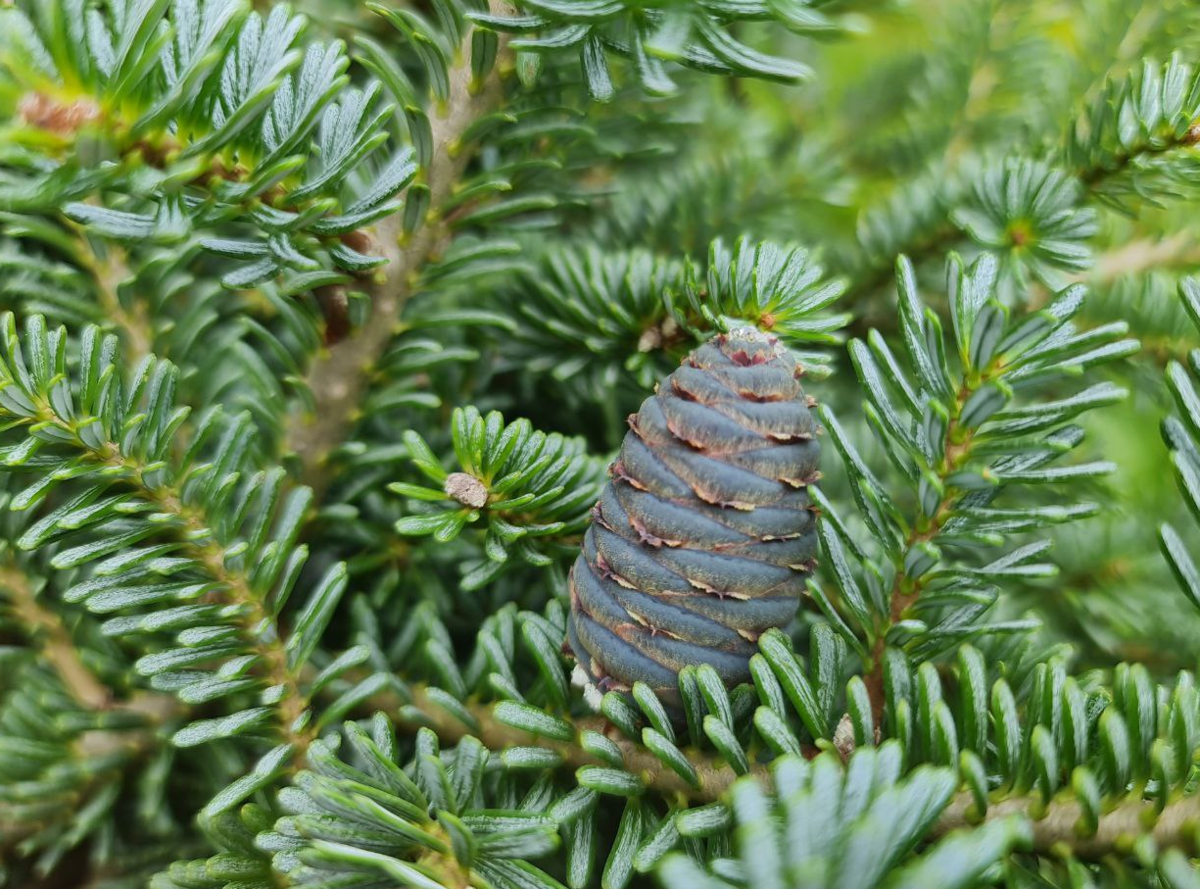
704,535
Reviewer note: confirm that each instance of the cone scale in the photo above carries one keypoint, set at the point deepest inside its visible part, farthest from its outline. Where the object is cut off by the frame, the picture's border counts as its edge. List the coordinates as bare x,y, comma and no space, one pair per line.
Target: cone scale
704,534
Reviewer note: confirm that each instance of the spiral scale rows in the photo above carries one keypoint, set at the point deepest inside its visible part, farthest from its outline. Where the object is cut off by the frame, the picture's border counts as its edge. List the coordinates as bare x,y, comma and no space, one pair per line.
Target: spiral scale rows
703,536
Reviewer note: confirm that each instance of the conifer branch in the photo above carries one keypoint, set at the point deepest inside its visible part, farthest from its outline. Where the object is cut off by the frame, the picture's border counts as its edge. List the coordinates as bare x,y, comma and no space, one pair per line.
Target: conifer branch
1057,826
171,696
233,586
339,376
118,748
905,591
61,652
1096,174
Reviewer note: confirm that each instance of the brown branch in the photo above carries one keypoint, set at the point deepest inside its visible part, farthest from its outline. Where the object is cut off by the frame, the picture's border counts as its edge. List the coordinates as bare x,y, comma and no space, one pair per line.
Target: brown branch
134,322
339,376
1145,254
905,592
58,649
714,777
1061,825
119,747
109,272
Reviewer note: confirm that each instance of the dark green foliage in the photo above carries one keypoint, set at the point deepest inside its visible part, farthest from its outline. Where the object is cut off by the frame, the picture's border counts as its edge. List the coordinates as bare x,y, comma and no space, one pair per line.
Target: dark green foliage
48,778
319,327
611,315
824,818
950,420
1147,118
1181,435
526,484
212,133
1026,211
652,36
153,514
338,812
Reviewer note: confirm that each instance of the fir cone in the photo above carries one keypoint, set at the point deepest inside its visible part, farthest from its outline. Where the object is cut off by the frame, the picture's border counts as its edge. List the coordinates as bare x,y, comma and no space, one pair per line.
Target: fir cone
704,535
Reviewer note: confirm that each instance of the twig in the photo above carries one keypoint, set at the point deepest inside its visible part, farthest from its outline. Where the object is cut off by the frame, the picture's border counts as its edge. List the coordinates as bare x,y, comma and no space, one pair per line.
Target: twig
713,776
259,626
58,649
109,272
1060,826
338,378
117,747
1095,175
1143,255
905,592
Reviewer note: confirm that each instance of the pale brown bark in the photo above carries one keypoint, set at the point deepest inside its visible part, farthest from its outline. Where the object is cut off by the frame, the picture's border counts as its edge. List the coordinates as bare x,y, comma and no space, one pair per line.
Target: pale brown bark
340,376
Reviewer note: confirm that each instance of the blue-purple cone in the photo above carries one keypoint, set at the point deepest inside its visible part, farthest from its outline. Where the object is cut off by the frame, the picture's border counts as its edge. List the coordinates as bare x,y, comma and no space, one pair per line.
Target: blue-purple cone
704,535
